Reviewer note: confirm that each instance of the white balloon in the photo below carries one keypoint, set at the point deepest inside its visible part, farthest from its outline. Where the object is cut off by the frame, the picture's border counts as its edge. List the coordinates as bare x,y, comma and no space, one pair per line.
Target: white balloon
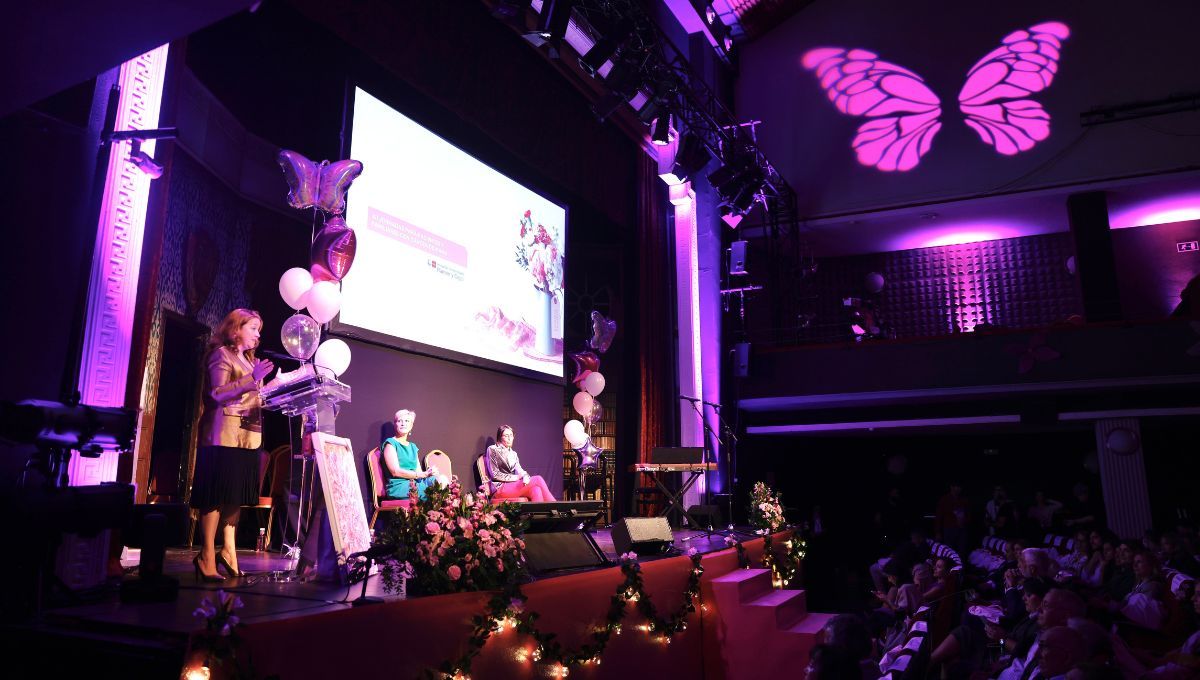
324,301
593,384
583,403
294,286
332,356
574,433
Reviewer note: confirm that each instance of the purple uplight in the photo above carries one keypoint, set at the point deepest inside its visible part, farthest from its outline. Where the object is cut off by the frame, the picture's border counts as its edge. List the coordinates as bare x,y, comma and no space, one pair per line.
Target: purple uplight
1164,210
958,233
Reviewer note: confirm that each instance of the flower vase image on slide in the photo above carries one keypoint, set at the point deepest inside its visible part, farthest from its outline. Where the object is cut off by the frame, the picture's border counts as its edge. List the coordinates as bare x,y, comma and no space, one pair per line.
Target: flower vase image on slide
540,252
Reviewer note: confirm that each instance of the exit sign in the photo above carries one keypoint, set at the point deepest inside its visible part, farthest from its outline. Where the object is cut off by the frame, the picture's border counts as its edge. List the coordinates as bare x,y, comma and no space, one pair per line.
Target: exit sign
1187,247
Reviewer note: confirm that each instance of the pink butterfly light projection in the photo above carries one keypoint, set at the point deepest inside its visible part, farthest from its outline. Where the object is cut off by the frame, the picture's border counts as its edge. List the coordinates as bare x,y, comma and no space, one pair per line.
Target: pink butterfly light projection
903,114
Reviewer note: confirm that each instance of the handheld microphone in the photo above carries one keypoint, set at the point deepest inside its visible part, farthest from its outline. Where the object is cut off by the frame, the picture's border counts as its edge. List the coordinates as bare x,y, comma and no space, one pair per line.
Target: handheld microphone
276,355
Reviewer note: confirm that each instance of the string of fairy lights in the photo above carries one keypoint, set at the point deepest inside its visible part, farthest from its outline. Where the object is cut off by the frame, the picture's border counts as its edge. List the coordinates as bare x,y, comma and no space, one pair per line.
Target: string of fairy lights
506,611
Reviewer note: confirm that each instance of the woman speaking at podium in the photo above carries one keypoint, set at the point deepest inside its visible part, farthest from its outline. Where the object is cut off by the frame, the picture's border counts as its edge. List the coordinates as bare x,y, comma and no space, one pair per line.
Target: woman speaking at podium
509,480
227,459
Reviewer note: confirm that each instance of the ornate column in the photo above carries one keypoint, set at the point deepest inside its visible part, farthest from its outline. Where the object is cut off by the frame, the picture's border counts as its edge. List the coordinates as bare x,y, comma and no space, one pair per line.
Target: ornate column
116,261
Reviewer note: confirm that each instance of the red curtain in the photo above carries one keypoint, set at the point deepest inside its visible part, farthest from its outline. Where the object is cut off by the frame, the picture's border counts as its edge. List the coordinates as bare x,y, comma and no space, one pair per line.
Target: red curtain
656,323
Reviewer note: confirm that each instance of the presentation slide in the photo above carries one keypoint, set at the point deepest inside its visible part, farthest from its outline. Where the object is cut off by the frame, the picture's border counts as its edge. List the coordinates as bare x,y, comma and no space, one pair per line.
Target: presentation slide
451,254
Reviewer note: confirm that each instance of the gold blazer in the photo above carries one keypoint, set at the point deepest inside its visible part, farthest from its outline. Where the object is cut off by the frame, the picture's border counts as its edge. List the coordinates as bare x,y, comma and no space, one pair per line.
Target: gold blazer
232,407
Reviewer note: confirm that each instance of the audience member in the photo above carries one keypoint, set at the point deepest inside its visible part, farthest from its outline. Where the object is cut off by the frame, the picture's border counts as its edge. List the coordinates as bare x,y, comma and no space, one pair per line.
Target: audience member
952,518
1059,650
1082,511
1041,513
849,634
1058,607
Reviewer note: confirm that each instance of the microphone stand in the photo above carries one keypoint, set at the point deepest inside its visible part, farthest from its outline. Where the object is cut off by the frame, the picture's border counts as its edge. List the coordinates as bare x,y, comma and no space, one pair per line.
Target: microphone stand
709,432
365,599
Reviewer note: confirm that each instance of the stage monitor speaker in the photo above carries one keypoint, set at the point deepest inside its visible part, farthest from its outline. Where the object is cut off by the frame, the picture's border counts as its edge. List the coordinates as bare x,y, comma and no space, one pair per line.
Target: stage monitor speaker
642,535
737,258
557,550
707,515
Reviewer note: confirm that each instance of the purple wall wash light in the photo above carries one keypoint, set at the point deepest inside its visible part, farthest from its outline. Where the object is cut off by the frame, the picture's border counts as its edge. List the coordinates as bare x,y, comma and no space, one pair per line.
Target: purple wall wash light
904,114
1163,210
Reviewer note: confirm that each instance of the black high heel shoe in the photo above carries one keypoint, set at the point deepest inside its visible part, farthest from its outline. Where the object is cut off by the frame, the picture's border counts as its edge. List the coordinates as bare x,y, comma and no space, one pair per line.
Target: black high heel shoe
233,573
206,578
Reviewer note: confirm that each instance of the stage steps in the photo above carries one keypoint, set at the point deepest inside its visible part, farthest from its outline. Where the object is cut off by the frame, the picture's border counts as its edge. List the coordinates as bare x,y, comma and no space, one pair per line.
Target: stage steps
764,632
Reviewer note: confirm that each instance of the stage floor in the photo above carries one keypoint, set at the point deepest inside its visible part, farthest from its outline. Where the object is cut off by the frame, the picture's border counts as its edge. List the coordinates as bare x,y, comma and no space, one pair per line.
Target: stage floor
266,599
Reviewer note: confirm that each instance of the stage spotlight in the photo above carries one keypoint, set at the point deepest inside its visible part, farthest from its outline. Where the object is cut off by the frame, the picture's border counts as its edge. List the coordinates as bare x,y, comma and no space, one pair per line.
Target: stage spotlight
623,80
511,12
710,14
661,133
612,36
142,161
90,430
600,52
551,25
624,77
728,178
690,158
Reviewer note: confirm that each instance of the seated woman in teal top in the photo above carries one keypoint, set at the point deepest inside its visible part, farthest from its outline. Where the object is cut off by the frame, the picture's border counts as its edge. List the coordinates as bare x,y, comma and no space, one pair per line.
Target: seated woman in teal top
401,466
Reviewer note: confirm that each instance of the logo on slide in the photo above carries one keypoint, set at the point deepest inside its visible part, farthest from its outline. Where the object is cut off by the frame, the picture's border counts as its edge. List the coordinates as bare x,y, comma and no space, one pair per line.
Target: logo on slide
903,114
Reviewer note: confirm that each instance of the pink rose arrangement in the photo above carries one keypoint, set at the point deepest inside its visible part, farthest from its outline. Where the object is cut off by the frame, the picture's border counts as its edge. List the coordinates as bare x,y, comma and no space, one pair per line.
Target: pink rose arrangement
539,251
453,542
766,512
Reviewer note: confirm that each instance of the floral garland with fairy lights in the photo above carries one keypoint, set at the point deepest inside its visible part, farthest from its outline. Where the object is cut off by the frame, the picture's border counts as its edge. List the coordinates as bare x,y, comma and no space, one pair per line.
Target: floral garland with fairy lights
783,571
507,610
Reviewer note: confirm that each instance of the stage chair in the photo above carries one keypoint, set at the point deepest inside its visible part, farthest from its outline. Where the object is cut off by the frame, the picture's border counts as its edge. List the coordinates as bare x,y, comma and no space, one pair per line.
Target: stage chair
438,460
277,462
378,502
485,480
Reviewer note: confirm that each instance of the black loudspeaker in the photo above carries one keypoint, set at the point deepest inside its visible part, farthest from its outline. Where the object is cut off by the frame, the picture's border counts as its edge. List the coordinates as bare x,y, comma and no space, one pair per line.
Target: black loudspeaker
1087,214
706,515
555,550
741,359
642,535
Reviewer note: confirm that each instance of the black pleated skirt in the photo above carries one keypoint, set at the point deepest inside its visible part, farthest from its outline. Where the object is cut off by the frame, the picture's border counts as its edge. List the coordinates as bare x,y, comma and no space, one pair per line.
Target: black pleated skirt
225,476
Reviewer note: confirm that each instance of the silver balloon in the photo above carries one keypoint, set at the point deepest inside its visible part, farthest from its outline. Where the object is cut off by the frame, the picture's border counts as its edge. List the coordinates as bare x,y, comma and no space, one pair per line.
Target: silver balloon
589,455
597,412
301,335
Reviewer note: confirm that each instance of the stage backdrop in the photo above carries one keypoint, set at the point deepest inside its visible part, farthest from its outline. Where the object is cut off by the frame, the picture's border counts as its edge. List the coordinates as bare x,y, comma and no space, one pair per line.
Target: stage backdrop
458,409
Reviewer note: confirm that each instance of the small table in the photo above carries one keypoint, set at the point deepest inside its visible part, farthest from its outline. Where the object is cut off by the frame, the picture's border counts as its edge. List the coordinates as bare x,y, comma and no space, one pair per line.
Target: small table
694,471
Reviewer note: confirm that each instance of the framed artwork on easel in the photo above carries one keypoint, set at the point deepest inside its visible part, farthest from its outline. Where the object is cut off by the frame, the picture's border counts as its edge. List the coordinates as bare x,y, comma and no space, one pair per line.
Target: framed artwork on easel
343,495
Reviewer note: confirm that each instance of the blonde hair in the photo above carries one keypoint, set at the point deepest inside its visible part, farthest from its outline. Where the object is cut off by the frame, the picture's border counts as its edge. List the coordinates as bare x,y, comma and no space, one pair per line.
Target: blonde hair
225,334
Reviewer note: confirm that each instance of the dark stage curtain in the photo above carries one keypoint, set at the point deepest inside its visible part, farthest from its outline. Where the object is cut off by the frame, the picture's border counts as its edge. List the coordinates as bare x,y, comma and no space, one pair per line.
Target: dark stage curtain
656,324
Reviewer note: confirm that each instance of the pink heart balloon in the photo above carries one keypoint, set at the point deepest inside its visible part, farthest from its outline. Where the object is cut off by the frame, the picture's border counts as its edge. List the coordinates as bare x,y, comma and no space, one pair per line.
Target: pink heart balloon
332,251
585,362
